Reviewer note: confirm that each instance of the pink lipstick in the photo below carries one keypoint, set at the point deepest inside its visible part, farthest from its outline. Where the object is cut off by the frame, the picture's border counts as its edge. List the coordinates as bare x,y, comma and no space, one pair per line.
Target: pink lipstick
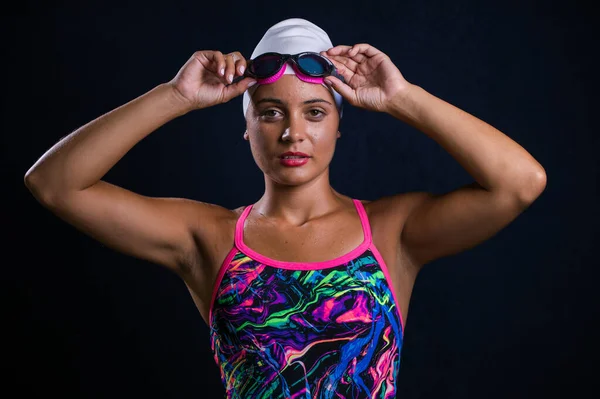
293,158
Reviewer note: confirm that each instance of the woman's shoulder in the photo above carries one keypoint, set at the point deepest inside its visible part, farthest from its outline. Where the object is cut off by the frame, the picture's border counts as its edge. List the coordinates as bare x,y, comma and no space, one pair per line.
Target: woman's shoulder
393,208
209,218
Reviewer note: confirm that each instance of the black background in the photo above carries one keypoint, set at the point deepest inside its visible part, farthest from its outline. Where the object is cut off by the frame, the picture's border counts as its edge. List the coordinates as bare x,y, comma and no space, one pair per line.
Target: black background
511,318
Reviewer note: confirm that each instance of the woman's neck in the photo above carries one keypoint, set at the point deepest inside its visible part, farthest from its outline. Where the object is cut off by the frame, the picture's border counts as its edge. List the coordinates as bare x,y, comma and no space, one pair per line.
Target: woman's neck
298,205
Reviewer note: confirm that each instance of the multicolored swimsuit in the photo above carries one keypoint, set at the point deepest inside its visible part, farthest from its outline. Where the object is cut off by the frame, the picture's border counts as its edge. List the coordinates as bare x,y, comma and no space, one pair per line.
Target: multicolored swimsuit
306,330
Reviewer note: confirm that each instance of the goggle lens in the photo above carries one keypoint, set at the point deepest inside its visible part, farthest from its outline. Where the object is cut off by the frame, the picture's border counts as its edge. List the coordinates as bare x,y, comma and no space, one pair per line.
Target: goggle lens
313,64
266,65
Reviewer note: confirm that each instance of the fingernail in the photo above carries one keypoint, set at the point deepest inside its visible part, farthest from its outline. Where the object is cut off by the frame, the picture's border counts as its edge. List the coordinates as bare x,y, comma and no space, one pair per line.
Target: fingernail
328,82
230,78
222,71
252,83
242,69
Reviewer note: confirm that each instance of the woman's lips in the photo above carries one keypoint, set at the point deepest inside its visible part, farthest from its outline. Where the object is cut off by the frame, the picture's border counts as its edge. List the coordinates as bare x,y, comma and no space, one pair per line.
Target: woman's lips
293,161
293,158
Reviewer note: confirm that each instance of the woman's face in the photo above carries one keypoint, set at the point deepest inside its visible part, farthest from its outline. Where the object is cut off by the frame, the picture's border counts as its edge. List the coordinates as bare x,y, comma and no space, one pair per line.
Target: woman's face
292,115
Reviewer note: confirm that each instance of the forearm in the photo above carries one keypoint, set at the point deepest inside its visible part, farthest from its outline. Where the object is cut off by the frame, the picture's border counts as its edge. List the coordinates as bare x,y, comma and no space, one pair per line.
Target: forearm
495,161
82,158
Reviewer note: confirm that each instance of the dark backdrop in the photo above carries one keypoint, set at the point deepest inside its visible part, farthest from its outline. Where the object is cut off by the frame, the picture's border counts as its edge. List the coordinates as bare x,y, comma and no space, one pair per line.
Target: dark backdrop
511,318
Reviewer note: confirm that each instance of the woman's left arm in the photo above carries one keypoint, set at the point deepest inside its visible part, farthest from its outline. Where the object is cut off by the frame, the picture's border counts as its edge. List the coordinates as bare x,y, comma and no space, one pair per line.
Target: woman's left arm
507,178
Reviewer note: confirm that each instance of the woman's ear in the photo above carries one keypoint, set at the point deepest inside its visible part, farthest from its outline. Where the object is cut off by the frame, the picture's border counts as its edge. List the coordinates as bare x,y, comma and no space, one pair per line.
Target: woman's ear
246,135
339,134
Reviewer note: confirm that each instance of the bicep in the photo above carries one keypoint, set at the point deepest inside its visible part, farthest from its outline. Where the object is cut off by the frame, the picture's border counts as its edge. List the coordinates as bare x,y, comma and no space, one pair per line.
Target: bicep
153,229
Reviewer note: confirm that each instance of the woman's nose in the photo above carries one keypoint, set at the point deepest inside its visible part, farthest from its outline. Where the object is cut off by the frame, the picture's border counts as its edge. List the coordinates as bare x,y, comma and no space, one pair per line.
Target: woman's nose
295,131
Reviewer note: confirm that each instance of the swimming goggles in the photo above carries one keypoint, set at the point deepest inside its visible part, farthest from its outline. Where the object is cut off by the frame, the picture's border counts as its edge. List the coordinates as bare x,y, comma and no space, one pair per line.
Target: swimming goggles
309,66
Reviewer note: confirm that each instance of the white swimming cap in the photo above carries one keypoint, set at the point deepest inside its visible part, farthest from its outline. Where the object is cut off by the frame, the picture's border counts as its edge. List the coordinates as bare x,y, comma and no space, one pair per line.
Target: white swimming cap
292,36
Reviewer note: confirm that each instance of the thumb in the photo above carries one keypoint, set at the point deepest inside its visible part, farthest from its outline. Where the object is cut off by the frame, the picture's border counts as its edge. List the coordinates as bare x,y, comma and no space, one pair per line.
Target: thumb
346,91
237,88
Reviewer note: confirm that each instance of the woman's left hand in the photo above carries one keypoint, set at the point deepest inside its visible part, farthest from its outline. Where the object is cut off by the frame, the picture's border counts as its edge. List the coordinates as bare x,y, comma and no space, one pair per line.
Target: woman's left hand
372,79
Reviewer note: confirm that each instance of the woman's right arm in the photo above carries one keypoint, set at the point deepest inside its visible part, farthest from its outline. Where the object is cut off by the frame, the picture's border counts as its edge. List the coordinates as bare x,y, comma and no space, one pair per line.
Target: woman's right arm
67,178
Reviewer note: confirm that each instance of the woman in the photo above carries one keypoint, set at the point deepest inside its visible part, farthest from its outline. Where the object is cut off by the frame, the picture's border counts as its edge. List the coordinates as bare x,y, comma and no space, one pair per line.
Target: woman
306,291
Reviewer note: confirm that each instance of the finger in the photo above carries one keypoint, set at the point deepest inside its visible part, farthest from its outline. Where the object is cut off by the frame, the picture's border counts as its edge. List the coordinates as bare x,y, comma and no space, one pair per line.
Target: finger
342,69
235,89
345,61
346,91
339,49
216,62
350,62
229,67
240,63
358,58
363,48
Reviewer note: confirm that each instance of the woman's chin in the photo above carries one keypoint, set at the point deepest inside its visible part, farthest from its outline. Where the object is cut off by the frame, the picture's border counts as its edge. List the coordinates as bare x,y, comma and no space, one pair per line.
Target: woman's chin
290,180
290,177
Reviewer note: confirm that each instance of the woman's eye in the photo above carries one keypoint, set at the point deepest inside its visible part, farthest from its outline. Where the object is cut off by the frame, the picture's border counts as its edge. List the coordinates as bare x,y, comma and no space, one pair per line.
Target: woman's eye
270,113
316,112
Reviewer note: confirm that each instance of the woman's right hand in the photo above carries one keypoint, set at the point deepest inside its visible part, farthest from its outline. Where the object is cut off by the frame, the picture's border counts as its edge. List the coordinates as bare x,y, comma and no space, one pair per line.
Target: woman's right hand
205,79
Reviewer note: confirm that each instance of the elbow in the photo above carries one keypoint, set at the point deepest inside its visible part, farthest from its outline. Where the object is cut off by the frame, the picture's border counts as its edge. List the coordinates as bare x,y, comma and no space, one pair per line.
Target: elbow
533,186
35,184
31,180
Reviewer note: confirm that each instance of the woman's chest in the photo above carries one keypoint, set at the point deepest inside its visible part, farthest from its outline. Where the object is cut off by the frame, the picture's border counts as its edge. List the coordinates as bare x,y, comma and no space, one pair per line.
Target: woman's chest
311,243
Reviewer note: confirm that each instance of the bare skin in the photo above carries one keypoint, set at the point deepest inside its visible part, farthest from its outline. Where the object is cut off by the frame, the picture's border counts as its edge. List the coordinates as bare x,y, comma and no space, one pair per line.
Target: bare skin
300,217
